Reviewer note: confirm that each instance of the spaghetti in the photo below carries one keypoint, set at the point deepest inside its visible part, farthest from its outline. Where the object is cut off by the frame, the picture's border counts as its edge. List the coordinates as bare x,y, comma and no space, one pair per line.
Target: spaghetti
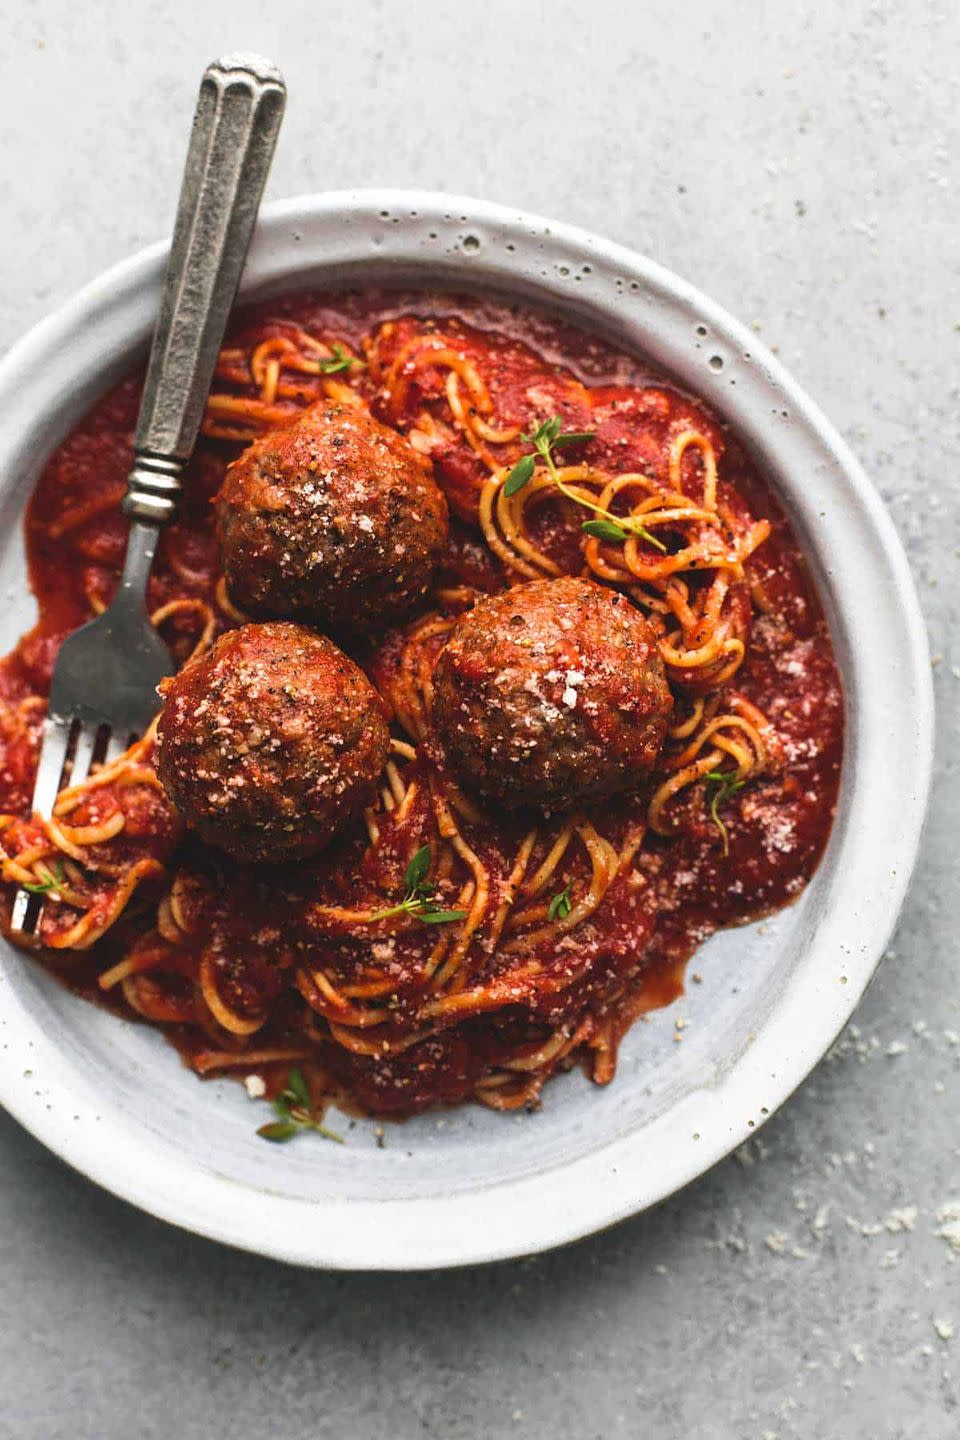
568,925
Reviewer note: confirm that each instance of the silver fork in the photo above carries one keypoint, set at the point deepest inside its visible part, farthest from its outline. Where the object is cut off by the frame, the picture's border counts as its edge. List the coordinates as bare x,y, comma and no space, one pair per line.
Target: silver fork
103,691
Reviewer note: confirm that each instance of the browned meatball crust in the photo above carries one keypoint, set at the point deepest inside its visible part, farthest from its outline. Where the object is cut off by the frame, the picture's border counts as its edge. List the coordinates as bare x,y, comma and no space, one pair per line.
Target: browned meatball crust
334,520
551,693
270,742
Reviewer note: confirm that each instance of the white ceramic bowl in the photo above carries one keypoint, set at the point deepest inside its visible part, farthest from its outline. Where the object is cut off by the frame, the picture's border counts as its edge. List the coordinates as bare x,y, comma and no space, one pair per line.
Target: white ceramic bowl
113,1100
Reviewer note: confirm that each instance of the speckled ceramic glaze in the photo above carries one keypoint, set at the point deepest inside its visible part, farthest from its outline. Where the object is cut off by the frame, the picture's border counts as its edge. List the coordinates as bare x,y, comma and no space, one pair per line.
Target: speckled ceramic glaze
111,1097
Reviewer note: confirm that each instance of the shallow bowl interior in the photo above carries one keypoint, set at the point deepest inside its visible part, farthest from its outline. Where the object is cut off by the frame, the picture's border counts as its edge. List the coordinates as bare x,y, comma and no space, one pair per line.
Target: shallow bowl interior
468,1185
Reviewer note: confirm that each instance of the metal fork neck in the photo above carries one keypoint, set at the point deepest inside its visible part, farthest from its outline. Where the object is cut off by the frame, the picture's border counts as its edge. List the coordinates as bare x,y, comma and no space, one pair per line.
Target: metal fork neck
141,548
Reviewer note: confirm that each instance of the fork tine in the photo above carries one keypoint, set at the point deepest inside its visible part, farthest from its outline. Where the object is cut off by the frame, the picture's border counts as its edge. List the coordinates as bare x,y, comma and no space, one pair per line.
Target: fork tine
116,744
83,754
18,916
53,753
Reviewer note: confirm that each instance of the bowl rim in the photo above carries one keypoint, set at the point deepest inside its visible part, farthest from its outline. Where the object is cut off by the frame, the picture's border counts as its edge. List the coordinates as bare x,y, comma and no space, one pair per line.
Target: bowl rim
613,1182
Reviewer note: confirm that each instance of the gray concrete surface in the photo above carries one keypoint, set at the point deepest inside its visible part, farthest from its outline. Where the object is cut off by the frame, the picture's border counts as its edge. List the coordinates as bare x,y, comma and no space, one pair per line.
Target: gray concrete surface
799,163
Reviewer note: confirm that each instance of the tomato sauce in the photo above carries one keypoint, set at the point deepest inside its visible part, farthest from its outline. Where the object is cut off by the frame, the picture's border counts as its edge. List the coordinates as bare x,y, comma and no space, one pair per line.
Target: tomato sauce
678,891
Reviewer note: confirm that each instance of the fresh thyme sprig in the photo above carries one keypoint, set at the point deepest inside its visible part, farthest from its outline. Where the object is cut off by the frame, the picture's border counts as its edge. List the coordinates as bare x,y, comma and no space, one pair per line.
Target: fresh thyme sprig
418,896
294,1107
339,360
548,438
53,881
561,905
727,786
550,435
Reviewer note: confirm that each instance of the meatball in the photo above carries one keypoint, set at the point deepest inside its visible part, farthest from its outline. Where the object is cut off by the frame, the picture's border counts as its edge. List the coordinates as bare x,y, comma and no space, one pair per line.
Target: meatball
334,520
270,742
551,693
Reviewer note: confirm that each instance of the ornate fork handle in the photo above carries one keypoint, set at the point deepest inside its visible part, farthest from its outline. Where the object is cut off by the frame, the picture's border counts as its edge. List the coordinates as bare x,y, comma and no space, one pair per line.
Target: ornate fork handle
234,132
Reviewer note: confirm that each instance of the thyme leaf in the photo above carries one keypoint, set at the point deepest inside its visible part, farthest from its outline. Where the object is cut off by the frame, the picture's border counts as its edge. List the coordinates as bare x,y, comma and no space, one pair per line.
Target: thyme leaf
53,881
726,785
519,475
561,905
574,437
429,915
338,361
605,530
279,1130
297,1091
418,870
